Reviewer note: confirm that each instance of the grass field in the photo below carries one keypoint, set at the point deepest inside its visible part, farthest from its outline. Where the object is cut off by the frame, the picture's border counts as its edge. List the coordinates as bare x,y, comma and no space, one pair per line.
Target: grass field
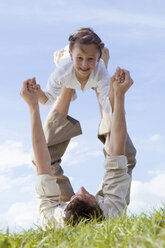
144,230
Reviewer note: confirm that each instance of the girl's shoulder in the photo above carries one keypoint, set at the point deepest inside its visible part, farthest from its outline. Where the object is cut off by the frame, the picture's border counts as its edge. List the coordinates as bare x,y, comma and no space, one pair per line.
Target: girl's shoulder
64,68
100,72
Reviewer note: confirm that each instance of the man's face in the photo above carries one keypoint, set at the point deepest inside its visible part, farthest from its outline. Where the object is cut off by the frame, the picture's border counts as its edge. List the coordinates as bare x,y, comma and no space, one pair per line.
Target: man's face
84,195
84,58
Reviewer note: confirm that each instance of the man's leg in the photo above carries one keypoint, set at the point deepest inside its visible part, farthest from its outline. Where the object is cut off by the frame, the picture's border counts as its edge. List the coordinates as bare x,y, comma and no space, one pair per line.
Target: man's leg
104,134
105,130
59,128
116,179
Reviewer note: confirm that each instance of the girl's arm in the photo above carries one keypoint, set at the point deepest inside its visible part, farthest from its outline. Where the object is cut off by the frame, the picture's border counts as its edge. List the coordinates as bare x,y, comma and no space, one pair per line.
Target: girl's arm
42,97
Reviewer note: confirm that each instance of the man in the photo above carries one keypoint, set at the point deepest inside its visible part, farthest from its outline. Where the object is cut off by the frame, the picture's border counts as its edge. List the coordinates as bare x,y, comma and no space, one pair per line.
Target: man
58,202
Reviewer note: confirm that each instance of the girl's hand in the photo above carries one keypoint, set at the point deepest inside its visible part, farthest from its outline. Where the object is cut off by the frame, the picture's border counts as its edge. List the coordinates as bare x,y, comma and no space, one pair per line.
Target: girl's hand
33,87
120,75
30,96
121,86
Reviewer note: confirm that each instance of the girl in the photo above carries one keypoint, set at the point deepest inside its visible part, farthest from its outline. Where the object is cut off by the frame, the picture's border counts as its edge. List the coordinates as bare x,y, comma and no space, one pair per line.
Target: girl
80,67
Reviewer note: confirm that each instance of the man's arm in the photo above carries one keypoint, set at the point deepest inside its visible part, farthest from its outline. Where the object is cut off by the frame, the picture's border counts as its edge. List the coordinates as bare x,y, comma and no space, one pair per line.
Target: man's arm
41,152
119,130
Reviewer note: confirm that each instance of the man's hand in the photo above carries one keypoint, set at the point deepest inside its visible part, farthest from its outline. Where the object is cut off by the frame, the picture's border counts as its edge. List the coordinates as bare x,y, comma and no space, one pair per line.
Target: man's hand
30,93
122,81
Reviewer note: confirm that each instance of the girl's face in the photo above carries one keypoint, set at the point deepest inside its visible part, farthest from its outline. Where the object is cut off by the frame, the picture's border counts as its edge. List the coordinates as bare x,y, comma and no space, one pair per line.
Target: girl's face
84,58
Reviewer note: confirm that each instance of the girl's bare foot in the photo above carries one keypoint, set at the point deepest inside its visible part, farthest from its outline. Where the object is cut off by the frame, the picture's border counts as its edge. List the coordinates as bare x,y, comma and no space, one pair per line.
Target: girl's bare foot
57,56
105,56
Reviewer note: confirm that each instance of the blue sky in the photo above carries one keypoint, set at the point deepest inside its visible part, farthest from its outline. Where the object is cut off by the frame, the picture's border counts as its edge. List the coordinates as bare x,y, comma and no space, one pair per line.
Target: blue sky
134,32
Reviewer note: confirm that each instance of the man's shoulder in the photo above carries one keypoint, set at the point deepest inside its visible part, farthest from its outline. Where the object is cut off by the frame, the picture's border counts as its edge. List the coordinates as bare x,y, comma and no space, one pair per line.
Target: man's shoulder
53,215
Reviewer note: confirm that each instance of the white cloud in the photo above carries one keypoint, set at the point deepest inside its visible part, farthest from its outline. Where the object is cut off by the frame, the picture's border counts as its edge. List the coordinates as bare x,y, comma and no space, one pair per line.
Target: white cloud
20,214
154,172
148,195
53,11
72,145
4,182
155,143
155,137
13,154
78,153
27,189
25,183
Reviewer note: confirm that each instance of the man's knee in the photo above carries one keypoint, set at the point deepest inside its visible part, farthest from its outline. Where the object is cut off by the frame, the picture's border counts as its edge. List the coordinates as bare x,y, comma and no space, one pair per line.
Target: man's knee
59,129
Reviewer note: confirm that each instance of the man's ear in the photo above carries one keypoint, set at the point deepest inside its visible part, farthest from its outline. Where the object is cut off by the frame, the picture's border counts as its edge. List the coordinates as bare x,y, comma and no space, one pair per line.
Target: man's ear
70,53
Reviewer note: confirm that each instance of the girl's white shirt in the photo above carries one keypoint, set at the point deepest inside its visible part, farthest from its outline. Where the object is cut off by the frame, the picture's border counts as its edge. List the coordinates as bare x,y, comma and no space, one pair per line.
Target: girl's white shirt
64,75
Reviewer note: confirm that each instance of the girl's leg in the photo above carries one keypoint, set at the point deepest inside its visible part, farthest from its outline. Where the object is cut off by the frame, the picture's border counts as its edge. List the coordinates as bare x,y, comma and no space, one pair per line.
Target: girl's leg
59,128
101,109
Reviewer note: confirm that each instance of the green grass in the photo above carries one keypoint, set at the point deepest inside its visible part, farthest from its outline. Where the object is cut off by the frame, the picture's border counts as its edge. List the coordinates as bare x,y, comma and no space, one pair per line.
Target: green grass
144,230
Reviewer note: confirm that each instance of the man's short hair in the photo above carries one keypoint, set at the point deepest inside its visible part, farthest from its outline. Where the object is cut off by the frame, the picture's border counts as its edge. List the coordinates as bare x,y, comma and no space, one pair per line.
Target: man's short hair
79,209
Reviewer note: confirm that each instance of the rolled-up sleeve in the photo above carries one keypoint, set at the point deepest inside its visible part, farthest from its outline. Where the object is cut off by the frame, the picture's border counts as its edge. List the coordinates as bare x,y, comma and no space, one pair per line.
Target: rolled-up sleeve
47,188
115,186
51,210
